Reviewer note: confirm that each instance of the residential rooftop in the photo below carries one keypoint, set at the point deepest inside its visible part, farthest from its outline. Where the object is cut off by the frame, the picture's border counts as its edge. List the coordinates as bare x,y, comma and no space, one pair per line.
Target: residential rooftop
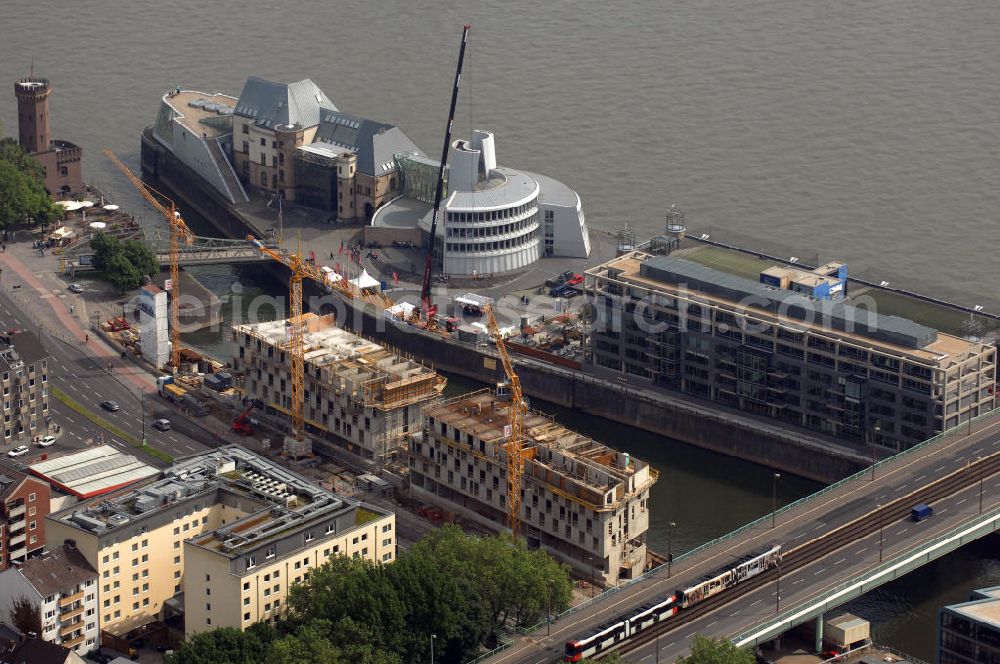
984,606
383,379
61,568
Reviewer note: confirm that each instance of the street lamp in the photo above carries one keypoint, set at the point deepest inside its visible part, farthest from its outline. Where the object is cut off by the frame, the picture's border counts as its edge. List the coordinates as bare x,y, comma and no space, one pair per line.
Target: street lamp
433,636
876,428
670,555
879,508
774,498
548,615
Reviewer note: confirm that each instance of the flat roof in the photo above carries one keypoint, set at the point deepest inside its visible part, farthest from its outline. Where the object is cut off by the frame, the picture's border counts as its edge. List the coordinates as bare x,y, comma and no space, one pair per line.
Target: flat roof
198,118
92,472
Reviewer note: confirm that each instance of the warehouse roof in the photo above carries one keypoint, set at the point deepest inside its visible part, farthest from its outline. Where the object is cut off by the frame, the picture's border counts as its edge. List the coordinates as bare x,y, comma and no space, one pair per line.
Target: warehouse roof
92,472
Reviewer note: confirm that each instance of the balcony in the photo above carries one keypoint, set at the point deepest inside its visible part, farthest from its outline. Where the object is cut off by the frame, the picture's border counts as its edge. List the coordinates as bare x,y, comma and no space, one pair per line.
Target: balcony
16,511
66,600
18,554
72,643
17,539
68,615
66,630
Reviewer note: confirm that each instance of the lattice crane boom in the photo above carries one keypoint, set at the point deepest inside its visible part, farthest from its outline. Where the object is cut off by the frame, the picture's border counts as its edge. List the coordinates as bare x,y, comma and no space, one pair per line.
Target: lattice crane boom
178,230
515,411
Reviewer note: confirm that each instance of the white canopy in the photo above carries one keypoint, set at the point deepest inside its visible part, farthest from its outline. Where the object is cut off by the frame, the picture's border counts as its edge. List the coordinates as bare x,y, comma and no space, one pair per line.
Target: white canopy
111,206
400,310
87,204
474,300
63,233
69,206
366,281
98,225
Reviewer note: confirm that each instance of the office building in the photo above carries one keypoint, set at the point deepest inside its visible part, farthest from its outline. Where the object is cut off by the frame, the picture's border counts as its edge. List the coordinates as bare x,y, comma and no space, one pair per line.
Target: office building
219,538
583,502
62,587
819,363
969,632
24,504
365,398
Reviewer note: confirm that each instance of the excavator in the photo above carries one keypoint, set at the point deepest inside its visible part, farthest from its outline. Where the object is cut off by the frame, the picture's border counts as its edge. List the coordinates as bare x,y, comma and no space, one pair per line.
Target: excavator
243,424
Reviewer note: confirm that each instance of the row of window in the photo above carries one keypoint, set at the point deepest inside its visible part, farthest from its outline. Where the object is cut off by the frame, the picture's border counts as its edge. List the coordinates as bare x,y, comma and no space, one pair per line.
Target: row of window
492,215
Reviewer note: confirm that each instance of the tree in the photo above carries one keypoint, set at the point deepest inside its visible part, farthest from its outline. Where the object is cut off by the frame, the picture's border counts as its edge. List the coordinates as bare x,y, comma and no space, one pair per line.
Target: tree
706,650
225,645
22,187
124,264
311,644
610,658
26,616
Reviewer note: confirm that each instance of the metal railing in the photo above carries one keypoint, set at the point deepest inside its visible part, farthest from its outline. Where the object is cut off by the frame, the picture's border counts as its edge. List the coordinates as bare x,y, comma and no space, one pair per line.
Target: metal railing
977,521
504,644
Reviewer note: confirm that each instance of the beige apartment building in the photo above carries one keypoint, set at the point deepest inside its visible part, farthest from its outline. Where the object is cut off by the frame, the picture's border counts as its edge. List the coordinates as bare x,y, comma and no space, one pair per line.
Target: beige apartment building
190,541
583,502
367,398
817,363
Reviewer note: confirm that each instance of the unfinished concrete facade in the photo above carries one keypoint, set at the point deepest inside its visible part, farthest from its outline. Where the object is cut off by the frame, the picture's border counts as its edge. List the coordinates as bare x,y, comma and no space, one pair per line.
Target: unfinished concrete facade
368,398
582,501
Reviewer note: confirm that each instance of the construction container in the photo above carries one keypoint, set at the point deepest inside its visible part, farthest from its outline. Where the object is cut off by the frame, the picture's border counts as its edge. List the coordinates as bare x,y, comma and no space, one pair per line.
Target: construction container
297,448
845,630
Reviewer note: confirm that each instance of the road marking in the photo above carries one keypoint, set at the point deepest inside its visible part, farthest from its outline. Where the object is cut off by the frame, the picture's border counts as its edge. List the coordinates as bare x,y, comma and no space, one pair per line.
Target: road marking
709,625
74,375
757,602
818,572
959,502
860,551
959,458
939,469
799,536
901,531
923,476
734,613
979,451
819,525
942,510
190,448
840,561
174,439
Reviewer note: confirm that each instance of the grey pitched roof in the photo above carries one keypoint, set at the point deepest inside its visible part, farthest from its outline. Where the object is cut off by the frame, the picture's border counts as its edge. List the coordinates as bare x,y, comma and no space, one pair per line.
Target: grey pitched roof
58,570
829,314
375,143
36,651
270,103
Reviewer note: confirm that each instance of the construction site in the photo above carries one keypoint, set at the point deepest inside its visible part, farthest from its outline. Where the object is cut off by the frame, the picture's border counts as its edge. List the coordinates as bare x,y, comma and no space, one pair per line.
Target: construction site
583,502
366,397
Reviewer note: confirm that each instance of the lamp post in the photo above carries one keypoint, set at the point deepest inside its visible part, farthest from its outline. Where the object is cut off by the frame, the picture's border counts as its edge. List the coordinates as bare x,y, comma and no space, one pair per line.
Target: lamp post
774,498
548,615
433,636
879,508
875,429
670,554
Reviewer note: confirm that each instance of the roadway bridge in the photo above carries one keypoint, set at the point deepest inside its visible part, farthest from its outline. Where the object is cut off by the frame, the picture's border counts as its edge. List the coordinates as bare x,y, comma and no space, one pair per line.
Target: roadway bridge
837,544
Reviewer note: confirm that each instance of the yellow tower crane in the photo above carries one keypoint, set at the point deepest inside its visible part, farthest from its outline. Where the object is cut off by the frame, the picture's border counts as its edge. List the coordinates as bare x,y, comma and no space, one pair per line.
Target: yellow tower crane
301,268
178,230
515,411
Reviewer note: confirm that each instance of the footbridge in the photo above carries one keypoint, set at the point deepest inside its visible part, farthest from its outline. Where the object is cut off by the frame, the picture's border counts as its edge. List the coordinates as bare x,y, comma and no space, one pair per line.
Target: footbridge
200,251
839,543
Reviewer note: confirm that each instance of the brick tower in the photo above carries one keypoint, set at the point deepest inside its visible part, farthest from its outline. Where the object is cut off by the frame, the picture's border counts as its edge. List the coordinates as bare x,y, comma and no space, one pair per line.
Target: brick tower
33,113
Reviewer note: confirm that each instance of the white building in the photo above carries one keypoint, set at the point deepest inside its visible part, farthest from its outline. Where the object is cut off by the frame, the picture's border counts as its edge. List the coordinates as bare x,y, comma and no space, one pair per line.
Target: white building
154,338
62,586
495,219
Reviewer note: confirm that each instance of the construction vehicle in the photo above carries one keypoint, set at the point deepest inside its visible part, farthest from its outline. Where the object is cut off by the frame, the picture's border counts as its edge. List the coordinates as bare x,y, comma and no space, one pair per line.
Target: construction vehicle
427,306
243,425
516,408
178,231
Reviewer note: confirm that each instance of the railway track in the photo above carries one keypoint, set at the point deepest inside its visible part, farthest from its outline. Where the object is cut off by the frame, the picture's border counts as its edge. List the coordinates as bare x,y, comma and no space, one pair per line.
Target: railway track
809,552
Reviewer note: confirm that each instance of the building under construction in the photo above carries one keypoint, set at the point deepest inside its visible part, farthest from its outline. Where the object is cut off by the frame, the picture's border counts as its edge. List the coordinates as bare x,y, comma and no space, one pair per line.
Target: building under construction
367,397
584,502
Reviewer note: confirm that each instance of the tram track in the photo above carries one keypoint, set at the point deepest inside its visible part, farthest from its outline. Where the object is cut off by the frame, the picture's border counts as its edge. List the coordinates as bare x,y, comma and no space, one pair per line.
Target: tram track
817,548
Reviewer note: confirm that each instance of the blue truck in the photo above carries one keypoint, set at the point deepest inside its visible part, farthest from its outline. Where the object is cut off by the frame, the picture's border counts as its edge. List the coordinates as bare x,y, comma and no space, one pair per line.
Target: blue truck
921,511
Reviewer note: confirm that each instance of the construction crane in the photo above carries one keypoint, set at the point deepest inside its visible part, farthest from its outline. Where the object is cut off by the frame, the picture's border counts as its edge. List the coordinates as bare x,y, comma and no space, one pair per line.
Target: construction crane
178,230
515,410
300,269
426,304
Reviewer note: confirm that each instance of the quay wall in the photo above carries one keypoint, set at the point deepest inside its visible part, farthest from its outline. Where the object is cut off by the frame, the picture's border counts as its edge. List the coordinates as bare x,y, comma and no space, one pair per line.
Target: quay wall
661,413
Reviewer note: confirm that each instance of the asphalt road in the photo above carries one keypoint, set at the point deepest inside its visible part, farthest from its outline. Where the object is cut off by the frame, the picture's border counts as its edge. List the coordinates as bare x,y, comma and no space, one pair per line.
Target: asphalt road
87,381
896,480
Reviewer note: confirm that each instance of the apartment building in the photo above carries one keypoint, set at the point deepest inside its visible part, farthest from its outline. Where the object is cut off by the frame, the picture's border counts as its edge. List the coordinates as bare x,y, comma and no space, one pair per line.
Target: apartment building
219,537
813,362
24,504
24,373
62,587
367,398
584,502
969,632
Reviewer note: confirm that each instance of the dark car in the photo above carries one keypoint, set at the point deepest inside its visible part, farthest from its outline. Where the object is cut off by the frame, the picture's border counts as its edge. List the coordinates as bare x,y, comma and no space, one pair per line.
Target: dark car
110,405
559,291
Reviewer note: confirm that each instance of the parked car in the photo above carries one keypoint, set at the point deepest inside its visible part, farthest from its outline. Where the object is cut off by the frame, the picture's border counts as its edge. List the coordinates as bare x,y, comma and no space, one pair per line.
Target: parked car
161,425
47,441
571,292
75,288
575,280
558,291
20,450
566,276
110,406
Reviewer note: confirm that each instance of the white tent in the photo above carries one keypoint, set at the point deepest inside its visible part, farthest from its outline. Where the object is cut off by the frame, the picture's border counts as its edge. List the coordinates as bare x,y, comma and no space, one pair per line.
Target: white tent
367,282
98,225
69,206
87,204
111,207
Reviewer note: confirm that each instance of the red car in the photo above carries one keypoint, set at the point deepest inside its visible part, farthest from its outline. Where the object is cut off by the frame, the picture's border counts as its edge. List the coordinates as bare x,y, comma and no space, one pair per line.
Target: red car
575,280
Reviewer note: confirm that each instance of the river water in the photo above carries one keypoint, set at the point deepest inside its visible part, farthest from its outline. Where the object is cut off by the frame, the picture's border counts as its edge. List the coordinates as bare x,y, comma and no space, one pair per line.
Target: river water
863,130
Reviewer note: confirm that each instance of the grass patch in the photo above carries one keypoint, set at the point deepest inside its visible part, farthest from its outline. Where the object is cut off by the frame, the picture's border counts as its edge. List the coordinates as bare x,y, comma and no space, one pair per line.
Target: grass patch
363,516
732,262
933,315
108,426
